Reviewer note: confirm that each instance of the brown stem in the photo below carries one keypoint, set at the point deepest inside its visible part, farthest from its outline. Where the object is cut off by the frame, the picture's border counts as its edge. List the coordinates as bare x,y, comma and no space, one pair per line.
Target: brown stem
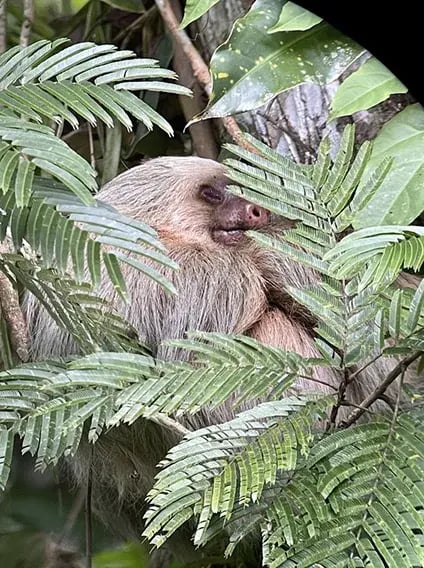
12,314
129,30
380,390
27,23
170,423
199,68
88,522
3,26
236,133
72,517
354,375
378,473
201,132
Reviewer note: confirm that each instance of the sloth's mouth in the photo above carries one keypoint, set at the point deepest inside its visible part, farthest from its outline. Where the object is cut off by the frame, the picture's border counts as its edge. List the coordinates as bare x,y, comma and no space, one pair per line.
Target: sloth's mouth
228,237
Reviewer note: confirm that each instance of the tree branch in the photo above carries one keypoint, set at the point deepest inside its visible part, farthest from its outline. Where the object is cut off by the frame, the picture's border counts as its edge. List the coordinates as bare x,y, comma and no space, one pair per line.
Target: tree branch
88,520
380,390
198,66
202,133
12,314
3,26
170,423
27,23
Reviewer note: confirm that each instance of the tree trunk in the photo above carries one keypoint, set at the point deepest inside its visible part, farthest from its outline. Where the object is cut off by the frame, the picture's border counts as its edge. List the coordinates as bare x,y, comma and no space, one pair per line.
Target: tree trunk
295,121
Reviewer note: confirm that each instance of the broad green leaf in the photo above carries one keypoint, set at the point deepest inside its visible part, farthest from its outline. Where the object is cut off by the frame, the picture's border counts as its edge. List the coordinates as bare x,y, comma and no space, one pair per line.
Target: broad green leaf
194,9
366,87
400,197
294,18
253,66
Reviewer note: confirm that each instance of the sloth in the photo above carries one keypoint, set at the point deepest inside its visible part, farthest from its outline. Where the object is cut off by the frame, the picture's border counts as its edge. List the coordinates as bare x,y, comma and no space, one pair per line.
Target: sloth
225,283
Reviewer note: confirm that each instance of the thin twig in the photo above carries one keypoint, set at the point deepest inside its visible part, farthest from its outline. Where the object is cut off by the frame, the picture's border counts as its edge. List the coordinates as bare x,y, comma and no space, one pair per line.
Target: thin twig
393,421
3,26
318,381
380,390
91,146
353,376
72,517
202,133
389,401
129,30
27,23
88,521
170,423
198,66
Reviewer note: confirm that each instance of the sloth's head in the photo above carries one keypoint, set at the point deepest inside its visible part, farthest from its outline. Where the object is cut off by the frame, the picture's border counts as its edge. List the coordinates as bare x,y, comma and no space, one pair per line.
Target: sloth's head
185,198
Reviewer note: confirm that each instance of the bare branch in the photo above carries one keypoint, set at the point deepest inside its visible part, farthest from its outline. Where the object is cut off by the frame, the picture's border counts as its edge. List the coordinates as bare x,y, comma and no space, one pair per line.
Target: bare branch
3,26
202,133
89,520
170,424
198,66
354,375
128,31
27,23
180,37
12,313
76,508
380,390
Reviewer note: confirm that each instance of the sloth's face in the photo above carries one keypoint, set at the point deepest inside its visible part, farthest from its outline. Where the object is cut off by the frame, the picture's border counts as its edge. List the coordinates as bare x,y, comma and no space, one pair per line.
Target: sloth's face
230,216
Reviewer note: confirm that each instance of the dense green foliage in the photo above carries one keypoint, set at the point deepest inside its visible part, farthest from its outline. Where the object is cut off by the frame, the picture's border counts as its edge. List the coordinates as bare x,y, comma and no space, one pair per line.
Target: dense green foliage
258,466
318,496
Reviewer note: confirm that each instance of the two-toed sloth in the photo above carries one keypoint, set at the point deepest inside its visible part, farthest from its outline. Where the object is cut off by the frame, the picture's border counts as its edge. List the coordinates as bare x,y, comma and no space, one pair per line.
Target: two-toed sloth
225,283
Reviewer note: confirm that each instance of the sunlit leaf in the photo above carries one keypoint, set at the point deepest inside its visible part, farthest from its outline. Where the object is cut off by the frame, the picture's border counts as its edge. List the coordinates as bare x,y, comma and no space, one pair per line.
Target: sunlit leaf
194,9
253,66
366,87
294,18
400,197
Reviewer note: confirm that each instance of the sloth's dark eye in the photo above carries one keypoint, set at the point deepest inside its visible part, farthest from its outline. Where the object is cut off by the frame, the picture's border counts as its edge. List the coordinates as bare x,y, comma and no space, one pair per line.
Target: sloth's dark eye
211,194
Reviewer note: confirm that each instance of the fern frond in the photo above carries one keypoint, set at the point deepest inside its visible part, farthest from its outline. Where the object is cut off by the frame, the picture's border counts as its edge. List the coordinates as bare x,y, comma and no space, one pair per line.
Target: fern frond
49,411
111,388
322,199
68,233
225,366
47,79
321,168
351,326
234,365
343,196
38,143
88,318
390,248
297,254
340,166
370,486
404,318
212,458
278,165
7,437
268,183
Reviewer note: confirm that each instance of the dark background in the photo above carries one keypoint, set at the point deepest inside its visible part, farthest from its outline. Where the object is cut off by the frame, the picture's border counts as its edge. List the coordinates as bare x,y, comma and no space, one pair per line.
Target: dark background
393,32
